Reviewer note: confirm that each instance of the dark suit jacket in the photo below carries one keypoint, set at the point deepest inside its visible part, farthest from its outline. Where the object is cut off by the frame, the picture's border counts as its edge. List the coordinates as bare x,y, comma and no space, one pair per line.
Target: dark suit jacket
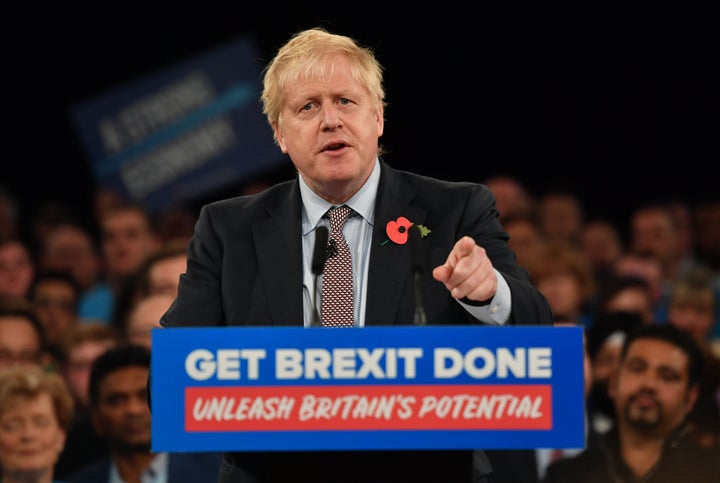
245,268
183,468
513,466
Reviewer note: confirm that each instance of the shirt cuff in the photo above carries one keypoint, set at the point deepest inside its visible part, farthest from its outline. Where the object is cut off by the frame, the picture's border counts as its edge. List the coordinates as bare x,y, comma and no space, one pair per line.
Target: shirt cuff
497,310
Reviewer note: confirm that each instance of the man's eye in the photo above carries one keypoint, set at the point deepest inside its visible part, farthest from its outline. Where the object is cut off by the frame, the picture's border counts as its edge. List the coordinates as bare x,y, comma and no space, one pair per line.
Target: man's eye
344,101
307,107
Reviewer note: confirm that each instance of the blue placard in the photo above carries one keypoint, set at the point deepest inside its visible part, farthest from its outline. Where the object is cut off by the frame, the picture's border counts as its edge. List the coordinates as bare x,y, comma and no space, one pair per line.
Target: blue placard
183,131
382,387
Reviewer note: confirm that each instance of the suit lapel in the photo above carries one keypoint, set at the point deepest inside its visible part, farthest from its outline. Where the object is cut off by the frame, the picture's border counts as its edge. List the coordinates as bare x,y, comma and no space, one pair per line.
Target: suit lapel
278,242
390,268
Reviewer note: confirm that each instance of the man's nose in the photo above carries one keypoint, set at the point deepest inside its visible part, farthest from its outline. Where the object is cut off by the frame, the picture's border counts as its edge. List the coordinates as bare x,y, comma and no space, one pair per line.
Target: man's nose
330,117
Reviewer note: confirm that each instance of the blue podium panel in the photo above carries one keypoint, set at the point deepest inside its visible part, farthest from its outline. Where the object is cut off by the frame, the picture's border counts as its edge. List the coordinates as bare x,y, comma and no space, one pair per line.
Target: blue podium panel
431,387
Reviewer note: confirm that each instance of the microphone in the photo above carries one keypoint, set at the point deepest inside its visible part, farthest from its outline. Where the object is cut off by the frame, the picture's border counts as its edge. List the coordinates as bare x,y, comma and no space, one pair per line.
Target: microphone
317,265
417,263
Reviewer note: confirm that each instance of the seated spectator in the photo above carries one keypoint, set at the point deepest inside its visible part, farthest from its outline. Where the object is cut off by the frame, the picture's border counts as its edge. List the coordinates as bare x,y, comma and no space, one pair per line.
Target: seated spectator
512,198
626,293
561,215
648,268
566,280
17,268
653,391
71,248
55,297
82,345
145,316
604,344
526,240
121,415
128,239
161,272
706,227
601,243
22,337
692,309
35,412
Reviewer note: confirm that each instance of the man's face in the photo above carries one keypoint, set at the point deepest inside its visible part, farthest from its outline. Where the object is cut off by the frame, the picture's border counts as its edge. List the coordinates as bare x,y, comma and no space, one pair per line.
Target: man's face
122,414
164,275
16,269
55,302
31,438
127,242
19,342
330,127
651,391
79,364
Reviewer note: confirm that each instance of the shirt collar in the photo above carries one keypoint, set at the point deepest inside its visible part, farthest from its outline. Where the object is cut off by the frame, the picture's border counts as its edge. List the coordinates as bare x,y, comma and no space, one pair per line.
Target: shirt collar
157,469
362,202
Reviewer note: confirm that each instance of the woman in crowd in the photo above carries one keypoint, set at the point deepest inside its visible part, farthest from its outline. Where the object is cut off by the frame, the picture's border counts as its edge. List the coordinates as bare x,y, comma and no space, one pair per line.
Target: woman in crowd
35,413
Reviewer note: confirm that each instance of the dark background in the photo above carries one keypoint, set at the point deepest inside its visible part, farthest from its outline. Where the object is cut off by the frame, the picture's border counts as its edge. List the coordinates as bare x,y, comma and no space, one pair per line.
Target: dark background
621,106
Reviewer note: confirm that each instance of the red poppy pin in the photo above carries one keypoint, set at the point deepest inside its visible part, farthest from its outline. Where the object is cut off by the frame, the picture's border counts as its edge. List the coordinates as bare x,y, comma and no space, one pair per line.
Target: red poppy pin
399,230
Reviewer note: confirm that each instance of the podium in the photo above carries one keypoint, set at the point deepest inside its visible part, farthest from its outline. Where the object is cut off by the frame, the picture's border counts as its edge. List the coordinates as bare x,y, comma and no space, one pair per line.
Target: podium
380,388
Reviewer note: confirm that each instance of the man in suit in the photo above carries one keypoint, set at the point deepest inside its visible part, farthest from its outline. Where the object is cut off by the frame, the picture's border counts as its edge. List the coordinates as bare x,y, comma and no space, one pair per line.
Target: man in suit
250,259
120,414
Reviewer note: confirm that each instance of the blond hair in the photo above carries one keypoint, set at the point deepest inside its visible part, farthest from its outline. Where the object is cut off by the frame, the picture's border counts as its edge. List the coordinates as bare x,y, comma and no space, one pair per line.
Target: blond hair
19,383
308,54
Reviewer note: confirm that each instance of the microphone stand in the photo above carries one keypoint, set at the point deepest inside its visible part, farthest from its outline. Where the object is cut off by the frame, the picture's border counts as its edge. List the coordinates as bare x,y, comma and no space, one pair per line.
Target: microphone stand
317,266
417,256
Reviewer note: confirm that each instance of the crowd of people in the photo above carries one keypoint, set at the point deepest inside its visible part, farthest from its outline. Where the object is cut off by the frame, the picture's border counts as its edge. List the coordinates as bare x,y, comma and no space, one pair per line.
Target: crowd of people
78,304
68,295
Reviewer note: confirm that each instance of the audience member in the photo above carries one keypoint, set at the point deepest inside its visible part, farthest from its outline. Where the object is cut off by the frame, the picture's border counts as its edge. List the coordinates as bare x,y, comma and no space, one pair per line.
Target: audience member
692,309
128,241
706,227
175,225
104,199
47,216
602,245
121,415
71,248
82,345
605,339
526,240
55,297
626,293
160,274
566,280
648,268
17,268
512,198
653,391
22,338
654,232
561,216
35,413
145,316
683,214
